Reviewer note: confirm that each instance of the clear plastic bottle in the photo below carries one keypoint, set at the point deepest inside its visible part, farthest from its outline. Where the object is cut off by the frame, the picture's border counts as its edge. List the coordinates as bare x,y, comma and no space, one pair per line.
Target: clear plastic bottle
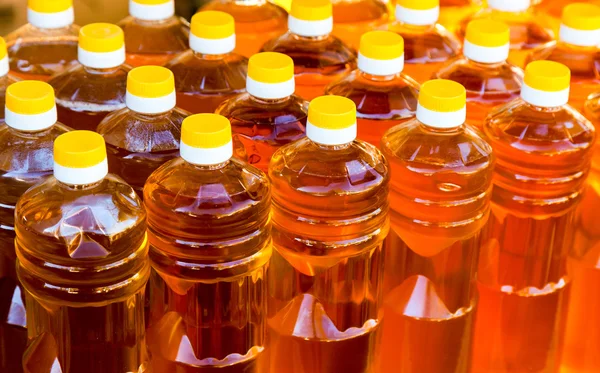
6,78
330,217
256,22
83,261
210,244
483,70
454,11
543,149
47,44
210,71
577,48
383,94
352,18
154,35
528,31
89,91
319,57
427,44
269,115
26,140
144,135
440,201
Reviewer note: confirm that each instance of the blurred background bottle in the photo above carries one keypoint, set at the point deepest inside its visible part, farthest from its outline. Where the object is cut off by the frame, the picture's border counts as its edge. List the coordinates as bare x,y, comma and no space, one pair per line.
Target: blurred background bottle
383,94
83,261
6,78
352,18
454,11
210,71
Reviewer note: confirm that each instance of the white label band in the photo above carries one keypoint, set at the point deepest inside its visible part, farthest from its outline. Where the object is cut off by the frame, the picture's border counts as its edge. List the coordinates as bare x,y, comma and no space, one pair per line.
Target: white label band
580,38
155,12
30,122
81,176
270,91
509,5
542,98
380,67
436,119
212,46
331,137
4,66
104,60
417,17
482,54
150,105
206,156
51,20
310,28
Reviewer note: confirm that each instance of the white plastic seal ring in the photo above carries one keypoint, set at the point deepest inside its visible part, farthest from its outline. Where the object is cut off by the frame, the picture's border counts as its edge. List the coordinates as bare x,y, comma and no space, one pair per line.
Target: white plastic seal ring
417,17
206,156
30,122
103,60
270,91
511,6
212,46
580,38
147,105
380,67
156,12
310,28
482,54
437,119
4,66
544,99
51,20
81,176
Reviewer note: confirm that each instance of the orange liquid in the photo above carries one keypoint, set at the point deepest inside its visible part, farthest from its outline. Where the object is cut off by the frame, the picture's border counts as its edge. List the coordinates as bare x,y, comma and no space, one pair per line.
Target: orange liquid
256,22
38,60
260,127
145,59
84,265
318,61
437,213
210,246
325,276
543,159
5,81
454,11
203,82
353,18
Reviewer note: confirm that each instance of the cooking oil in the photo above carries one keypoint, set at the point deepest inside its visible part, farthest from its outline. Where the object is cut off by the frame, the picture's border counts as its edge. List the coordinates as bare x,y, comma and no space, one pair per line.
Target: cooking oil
6,78
352,18
454,11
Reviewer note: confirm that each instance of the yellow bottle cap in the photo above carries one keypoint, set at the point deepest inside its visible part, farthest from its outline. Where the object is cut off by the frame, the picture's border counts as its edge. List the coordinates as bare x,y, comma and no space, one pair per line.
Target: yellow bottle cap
270,67
79,149
311,10
49,6
418,4
152,2
212,24
332,112
581,16
442,96
547,76
30,97
150,82
3,51
487,33
381,45
206,131
101,38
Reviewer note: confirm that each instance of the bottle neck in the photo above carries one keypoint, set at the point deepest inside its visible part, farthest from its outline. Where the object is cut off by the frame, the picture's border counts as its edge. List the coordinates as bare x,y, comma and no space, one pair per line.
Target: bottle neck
210,57
101,71
270,101
484,65
379,78
249,2
209,167
332,148
146,117
541,109
81,187
310,39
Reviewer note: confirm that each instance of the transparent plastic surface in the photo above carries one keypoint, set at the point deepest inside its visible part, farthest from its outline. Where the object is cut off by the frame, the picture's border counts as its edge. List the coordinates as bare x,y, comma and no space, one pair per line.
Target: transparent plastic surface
528,31
210,247
260,127
543,158
440,201
318,61
25,159
5,81
330,217
352,18
84,96
37,53
426,49
154,42
137,144
454,11
381,101
584,63
256,22
488,85
203,81
83,261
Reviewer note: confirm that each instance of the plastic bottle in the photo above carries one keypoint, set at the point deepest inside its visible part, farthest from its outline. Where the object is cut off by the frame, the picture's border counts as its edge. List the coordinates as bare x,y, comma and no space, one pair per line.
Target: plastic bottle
210,71
83,261
440,201
88,92
577,48
427,44
6,79
352,18
26,139
528,31
209,229
319,57
330,217
154,35
543,149
489,80
269,115
454,11
383,94
144,135
256,22
47,44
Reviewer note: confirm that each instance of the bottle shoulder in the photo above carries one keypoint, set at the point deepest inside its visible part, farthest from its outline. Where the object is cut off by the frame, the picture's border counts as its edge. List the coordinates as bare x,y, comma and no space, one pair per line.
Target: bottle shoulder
361,11
426,44
481,79
197,73
29,34
312,53
249,13
583,62
156,37
244,109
